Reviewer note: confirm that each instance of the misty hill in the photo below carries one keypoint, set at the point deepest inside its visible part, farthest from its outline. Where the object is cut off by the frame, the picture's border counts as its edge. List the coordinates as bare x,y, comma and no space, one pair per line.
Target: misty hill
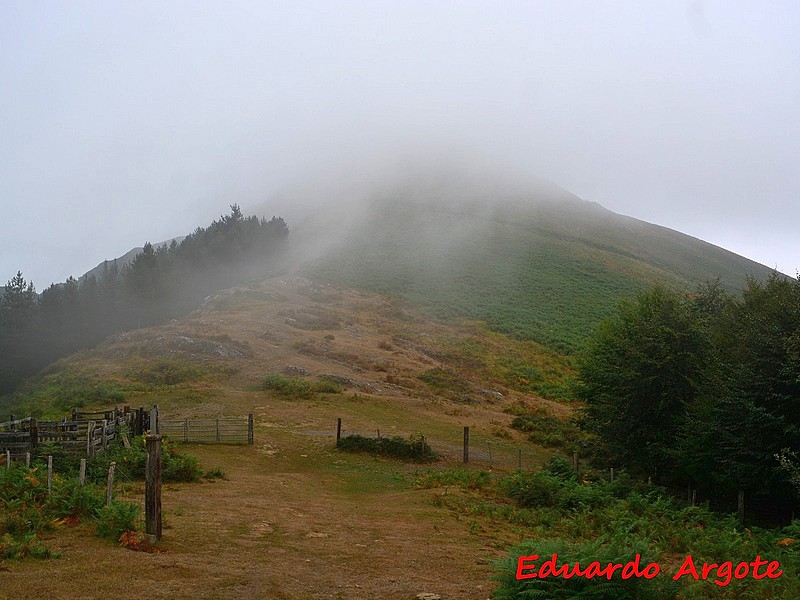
530,259
126,259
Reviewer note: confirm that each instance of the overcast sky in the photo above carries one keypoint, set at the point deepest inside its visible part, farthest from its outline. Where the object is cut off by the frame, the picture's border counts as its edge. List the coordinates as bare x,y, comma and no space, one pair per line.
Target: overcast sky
122,122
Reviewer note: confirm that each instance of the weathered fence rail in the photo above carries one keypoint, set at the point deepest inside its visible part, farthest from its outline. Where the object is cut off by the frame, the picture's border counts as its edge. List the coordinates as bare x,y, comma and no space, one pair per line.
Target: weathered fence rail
91,432
88,432
224,430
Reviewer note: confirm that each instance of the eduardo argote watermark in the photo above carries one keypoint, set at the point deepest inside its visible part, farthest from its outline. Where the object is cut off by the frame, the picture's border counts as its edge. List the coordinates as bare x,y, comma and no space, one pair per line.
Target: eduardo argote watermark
722,573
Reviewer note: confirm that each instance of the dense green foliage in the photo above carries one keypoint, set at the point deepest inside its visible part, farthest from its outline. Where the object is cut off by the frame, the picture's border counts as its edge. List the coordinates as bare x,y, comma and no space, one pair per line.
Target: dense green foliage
589,518
414,448
160,283
27,509
548,431
703,389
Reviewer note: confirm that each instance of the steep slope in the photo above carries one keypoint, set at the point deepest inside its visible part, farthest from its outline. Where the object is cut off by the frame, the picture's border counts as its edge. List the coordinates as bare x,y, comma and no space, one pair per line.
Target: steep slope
541,265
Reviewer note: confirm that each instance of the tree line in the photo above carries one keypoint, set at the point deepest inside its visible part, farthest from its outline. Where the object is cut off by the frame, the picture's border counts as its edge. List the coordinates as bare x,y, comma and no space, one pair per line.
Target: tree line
160,283
701,388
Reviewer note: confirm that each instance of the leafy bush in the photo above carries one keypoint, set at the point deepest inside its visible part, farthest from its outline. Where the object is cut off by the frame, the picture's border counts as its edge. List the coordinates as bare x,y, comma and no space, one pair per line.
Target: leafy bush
23,546
326,386
602,550
70,499
176,466
414,448
293,387
116,518
131,462
548,431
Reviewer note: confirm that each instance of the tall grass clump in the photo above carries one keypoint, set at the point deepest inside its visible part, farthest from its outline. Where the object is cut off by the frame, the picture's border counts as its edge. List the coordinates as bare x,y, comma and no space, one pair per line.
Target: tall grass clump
294,387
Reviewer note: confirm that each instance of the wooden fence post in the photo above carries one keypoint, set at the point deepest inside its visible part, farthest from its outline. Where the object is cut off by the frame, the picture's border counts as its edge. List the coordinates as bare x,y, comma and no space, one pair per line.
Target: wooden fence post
105,434
49,473
90,439
338,430
110,483
466,445
186,429
8,460
28,460
250,429
34,433
82,476
612,474
575,460
154,420
152,487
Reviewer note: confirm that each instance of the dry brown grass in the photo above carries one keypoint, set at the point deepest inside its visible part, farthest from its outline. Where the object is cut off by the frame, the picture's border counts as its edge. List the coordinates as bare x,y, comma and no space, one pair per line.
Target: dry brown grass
295,519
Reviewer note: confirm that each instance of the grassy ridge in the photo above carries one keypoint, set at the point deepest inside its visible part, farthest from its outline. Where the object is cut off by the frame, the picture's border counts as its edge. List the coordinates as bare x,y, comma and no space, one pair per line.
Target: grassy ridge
547,272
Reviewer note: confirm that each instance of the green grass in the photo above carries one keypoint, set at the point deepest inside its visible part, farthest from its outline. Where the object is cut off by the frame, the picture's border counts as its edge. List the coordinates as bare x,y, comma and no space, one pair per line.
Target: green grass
545,273
590,518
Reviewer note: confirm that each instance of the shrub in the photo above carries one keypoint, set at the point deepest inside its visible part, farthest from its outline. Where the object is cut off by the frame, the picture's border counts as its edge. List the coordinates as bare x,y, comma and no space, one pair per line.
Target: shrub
326,386
25,545
116,518
414,448
601,550
288,386
547,430
70,499
293,387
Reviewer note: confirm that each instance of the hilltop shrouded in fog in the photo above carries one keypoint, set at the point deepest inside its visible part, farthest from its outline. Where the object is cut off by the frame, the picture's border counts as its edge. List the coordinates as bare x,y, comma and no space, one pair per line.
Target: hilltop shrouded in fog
473,240
133,121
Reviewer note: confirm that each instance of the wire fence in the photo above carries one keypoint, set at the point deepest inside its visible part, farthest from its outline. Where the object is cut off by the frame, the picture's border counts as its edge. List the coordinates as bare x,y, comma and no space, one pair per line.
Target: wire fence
484,451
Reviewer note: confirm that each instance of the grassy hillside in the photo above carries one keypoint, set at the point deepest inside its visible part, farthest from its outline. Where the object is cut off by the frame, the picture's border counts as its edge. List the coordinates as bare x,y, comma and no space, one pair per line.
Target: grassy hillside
535,267
295,518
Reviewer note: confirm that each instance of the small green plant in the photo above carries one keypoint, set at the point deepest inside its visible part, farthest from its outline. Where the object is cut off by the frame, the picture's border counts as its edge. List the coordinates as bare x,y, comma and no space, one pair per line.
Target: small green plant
294,387
26,545
116,518
214,473
326,386
288,386
473,480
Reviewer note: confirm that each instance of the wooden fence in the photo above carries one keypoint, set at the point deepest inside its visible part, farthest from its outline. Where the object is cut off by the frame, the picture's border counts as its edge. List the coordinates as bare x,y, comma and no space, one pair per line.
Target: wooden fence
88,432
224,430
91,432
